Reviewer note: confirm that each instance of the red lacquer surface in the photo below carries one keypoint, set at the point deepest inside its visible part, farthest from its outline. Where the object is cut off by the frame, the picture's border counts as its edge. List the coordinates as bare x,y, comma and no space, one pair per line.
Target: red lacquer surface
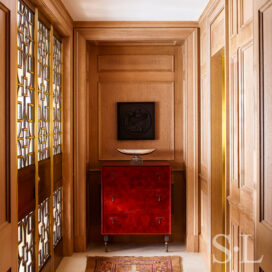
136,199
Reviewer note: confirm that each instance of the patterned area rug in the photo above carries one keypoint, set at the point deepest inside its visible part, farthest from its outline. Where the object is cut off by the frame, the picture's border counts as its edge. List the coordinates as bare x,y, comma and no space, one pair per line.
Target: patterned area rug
134,264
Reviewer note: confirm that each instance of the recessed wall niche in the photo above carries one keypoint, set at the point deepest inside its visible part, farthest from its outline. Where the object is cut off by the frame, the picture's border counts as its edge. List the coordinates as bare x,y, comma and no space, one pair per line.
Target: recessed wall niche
135,74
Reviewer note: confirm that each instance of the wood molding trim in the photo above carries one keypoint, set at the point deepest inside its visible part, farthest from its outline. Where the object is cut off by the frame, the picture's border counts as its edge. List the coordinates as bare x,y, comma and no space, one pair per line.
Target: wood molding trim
57,14
149,32
192,142
135,34
68,153
80,143
135,24
208,10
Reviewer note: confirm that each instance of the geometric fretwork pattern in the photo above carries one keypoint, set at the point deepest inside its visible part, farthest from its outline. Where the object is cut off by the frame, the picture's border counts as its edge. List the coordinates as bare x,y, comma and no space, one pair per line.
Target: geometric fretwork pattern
26,230
57,215
25,86
57,94
44,229
43,91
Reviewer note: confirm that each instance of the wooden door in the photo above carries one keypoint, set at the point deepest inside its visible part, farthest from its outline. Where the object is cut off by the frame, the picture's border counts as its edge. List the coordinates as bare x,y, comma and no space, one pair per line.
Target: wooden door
8,206
263,57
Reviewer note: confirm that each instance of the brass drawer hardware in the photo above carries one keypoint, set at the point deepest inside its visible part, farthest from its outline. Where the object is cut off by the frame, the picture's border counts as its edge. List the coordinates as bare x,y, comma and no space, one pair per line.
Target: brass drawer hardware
159,220
113,219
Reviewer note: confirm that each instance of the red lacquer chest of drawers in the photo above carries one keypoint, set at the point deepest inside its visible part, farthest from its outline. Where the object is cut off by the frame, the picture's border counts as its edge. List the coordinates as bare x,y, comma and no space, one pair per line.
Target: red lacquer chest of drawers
136,199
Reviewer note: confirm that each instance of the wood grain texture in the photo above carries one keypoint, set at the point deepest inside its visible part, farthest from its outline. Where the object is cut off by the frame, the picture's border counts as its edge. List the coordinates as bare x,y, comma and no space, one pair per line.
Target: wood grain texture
140,24
135,62
263,68
241,116
217,170
135,34
144,34
80,144
67,153
161,93
192,106
8,223
218,33
3,116
108,88
212,44
55,12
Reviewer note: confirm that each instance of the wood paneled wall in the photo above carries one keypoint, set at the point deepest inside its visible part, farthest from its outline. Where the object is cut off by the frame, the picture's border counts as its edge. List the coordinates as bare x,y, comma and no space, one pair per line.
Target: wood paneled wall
235,19
160,33
135,73
212,50
263,68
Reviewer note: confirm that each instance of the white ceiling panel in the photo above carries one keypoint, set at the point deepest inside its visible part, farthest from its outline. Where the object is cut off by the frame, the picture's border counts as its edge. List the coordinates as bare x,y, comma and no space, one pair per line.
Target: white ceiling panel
135,10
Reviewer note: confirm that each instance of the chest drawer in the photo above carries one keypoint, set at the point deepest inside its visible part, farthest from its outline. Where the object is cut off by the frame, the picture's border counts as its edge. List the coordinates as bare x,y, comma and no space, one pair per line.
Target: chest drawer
136,222
132,200
130,177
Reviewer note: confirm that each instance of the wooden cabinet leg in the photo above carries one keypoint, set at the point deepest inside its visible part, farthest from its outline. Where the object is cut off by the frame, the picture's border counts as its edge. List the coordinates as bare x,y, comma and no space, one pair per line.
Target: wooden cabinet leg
106,240
166,240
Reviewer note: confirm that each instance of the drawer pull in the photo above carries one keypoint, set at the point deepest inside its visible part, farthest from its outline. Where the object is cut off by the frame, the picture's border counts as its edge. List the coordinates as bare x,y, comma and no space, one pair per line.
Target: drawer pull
159,198
113,219
112,198
159,176
159,220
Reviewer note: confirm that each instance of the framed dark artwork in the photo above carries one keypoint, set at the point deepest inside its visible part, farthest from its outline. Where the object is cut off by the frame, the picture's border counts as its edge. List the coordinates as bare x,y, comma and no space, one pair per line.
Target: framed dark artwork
136,120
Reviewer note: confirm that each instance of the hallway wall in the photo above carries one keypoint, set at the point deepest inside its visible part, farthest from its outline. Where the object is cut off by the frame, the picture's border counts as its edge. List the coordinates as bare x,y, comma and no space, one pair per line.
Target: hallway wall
134,72
235,19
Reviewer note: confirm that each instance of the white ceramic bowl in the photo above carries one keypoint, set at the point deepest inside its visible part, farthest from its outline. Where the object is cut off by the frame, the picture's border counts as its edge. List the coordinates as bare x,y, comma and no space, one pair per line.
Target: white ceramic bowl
136,152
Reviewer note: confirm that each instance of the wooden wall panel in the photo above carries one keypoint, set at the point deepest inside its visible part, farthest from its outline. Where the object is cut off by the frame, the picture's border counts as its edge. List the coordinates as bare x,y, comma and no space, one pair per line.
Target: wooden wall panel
246,253
245,12
242,113
243,136
204,125
3,112
247,128
204,139
218,33
234,245
186,128
136,63
212,31
120,73
263,64
161,93
192,144
234,139
233,18
267,114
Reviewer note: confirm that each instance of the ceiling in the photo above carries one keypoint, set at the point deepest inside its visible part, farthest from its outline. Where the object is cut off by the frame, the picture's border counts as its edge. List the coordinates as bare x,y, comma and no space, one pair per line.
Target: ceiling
135,10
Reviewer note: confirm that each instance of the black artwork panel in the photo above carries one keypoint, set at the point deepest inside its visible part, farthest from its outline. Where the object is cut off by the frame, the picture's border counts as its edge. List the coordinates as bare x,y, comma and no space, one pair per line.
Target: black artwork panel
136,120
